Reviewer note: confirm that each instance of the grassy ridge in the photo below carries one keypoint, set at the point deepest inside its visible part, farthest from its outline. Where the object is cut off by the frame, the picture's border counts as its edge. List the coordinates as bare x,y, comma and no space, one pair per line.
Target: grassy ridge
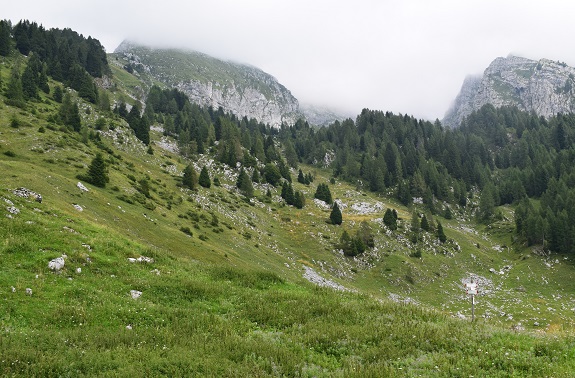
219,321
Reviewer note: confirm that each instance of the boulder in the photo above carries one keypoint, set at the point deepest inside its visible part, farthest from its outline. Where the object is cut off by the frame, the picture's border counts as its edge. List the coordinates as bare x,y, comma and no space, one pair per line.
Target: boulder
56,264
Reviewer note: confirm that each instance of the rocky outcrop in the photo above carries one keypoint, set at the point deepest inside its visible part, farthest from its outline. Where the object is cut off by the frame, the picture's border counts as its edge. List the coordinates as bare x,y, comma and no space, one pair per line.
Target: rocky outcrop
243,90
545,87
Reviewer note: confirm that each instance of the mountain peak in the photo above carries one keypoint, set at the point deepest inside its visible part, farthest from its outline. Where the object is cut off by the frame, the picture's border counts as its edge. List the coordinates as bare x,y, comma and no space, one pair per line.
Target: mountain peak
544,86
241,89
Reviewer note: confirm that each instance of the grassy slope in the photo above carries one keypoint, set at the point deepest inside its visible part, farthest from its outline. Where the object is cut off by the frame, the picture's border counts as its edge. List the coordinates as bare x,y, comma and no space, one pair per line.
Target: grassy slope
236,303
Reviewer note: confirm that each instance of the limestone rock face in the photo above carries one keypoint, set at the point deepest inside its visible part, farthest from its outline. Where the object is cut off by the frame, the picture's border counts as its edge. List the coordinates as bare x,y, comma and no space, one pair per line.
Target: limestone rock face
545,87
243,90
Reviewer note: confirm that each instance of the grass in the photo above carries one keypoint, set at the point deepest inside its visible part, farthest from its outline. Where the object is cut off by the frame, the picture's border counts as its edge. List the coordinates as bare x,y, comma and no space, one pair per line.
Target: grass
228,298
212,320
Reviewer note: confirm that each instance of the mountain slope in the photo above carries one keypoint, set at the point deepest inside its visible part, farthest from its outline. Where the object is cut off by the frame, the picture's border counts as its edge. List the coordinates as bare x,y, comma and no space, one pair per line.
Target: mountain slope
240,89
544,87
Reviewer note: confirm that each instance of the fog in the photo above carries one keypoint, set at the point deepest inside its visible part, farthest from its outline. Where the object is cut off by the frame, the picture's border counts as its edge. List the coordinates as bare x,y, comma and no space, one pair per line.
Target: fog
408,57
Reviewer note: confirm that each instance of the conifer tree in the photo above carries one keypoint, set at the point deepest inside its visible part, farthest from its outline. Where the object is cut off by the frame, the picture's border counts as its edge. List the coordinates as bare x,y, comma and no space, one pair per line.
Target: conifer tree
299,201
440,234
190,177
204,179
14,92
5,40
335,215
424,223
97,174
390,220
300,177
256,176
244,184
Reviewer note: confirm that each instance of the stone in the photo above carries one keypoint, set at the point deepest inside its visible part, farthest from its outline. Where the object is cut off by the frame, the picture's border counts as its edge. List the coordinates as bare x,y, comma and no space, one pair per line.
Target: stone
78,207
81,187
28,291
27,193
56,264
135,294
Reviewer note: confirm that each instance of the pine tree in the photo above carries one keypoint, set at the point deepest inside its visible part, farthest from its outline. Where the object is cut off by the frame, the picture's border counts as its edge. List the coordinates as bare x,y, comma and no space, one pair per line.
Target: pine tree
97,174
299,201
244,184
440,234
190,177
58,94
323,193
300,177
415,228
204,179
5,40
335,215
390,220
424,223
14,92
256,176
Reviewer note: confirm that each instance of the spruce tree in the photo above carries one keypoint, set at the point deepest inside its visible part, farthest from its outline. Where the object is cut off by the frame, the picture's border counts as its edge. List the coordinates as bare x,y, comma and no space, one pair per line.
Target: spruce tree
97,174
335,216
14,92
440,234
5,40
424,224
244,184
390,220
204,179
299,201
190,178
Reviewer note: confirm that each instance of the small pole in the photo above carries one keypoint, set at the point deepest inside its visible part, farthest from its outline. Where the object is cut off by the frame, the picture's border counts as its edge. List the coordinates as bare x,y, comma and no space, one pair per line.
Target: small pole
472,308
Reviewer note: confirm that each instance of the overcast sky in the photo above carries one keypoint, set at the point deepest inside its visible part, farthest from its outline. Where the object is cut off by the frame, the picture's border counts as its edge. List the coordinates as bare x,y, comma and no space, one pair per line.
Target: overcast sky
404,56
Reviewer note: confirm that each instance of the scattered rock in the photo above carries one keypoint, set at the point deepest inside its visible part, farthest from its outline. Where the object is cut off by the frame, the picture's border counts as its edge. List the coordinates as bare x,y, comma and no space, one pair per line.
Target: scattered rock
28,291
78,270
312,276
135,294
27,193
82,187
78,207
129,326
56,264
13,289
140,259
155,271
13,210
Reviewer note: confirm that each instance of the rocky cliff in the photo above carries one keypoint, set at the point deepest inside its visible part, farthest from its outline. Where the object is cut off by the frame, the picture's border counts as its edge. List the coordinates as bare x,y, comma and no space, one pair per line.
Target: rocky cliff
240,89
545,87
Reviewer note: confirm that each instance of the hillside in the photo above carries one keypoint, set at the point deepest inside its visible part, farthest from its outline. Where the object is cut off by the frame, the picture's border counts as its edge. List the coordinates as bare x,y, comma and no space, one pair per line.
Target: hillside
161,279
544,87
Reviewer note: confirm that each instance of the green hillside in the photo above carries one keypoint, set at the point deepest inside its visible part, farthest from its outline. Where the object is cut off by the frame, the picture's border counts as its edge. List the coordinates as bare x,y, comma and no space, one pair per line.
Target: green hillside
163,280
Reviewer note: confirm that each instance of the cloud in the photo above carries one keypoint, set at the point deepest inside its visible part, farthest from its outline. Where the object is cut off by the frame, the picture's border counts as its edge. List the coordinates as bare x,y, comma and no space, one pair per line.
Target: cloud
408,57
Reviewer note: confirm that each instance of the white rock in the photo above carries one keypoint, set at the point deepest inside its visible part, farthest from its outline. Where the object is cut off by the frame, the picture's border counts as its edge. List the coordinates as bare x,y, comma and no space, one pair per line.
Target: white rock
135,294
28,291
56,264
82,187
13,289
78,270
78,207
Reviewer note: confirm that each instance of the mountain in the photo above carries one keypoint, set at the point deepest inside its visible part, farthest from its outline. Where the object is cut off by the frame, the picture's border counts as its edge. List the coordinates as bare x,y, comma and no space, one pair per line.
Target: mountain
238,88
321,115
544,87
